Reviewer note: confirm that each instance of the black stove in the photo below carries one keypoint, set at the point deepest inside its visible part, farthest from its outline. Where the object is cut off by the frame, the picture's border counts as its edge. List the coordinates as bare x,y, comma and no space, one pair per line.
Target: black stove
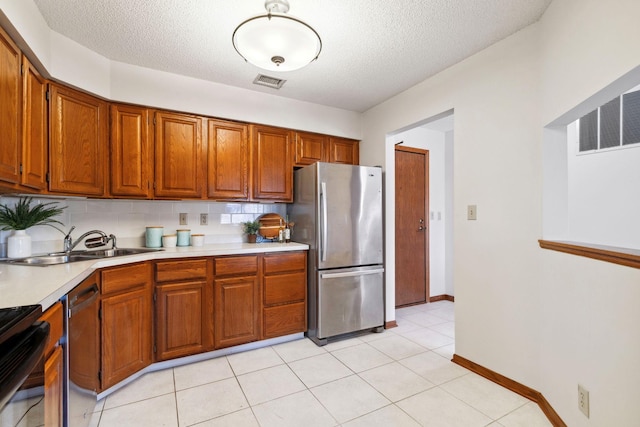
22,341
15,320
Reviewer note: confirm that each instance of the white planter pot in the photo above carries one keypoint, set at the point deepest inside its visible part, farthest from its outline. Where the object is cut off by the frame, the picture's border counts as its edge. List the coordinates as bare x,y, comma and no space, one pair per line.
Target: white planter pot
19,244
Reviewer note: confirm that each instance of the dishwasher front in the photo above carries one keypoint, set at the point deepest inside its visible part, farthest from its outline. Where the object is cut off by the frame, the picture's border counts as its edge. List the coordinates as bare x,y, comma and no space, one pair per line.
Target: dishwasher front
83,352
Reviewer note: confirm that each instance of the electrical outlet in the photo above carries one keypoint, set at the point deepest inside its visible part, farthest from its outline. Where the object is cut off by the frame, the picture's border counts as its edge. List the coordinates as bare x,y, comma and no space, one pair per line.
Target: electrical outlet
184,219
204,219
472,212
583,400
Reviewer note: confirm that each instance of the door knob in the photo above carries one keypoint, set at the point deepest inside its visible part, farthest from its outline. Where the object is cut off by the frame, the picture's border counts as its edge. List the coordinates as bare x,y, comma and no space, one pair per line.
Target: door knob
421,228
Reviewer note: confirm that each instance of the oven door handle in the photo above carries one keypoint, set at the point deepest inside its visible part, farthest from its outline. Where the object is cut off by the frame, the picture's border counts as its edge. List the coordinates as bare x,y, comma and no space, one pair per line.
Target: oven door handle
83,299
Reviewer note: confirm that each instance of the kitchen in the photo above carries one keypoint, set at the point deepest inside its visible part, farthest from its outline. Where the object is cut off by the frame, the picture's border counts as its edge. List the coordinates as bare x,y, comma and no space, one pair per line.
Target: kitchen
467,90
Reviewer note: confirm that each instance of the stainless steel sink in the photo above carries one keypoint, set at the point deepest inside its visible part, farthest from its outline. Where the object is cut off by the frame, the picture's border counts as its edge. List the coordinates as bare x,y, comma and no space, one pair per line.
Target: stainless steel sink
75,256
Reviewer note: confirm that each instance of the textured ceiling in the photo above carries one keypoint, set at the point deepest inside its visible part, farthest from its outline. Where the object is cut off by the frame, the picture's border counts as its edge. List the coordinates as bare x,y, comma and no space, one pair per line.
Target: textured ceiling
371,49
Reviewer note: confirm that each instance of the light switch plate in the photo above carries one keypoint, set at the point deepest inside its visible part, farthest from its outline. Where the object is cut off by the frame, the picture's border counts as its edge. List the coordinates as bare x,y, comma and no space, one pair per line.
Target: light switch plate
472,212
183,219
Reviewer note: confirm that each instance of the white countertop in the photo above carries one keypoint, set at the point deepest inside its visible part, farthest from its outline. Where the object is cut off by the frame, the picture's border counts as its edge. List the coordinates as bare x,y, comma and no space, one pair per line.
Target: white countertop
26,285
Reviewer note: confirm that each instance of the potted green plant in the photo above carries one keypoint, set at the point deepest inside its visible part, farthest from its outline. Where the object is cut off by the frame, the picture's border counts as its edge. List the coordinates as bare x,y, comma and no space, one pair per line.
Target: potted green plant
251,228
22,216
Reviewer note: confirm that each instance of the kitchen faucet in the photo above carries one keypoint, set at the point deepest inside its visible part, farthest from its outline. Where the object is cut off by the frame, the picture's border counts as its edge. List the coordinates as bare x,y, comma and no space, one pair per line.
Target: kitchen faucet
69,244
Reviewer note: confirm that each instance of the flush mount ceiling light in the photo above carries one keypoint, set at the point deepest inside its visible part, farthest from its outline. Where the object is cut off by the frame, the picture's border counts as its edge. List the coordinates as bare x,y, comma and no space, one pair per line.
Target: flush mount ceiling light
275,41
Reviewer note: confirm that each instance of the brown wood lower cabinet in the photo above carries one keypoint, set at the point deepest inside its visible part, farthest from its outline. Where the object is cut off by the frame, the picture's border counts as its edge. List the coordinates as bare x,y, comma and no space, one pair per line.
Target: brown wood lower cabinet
284,294
53,367
126,321
237,300
184,308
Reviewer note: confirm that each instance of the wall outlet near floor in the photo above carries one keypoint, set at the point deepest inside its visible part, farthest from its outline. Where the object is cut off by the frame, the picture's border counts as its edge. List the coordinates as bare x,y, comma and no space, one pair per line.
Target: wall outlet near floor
583,400
472,212
184,219
204,219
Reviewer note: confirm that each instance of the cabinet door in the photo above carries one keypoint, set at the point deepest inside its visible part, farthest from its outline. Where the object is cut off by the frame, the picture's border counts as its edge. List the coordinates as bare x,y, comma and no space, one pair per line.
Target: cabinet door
131,158
343,150
184,319
178,155
237,308
34,130
126,321
310,148
126,336
53,387
78,141
272,164
10,109
228,160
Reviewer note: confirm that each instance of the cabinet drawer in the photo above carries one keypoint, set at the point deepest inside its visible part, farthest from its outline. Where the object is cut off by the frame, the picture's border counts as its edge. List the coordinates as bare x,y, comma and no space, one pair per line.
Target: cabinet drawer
277,263
285,319
236,265
126,278
173,271
55,318
285,288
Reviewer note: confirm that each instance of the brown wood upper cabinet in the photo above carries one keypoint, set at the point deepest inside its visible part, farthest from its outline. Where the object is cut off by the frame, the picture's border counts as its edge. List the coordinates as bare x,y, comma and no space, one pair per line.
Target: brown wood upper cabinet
10,111
228,160
272,163
131,153
178,145
343,150
78,138
310,148
35,154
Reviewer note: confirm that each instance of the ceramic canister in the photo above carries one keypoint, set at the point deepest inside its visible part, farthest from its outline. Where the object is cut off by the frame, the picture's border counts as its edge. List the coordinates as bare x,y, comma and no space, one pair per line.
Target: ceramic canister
153,237
169,240
197,239
184,237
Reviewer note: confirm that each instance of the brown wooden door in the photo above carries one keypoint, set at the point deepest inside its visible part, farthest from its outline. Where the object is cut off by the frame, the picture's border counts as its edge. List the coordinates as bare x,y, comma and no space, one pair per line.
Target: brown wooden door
10,109
228,160
411,232
184,315
272,163
35,154
343,150
78,142
131,156
237,309
310,148
178,155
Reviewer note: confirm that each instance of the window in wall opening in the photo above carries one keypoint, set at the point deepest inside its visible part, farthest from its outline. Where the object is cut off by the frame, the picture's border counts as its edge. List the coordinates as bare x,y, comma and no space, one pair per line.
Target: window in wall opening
614,124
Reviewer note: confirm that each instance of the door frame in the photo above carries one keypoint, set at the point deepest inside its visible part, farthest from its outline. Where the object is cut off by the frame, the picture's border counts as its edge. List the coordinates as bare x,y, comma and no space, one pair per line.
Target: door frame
424,152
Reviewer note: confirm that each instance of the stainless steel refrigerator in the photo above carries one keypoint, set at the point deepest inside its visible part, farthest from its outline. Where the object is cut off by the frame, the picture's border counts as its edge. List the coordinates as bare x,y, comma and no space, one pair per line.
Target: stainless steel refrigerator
337,211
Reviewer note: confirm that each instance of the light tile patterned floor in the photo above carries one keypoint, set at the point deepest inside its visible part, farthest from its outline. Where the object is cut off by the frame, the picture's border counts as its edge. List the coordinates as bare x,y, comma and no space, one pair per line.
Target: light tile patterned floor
401,377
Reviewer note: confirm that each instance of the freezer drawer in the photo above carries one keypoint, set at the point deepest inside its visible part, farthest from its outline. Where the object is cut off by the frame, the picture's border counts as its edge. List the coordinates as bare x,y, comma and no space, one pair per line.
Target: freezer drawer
349,300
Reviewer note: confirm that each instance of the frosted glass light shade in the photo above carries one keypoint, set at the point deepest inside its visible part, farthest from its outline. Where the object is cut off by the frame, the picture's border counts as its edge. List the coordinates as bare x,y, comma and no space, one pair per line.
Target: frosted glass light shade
277,42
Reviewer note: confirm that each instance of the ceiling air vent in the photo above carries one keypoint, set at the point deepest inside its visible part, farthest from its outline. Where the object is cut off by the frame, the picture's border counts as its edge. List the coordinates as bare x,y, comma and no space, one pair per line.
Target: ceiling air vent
271,82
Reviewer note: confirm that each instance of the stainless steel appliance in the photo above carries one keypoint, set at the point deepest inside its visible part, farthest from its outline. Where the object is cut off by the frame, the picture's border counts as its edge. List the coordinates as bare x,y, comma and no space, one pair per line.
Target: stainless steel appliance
337,211
83,346
22,342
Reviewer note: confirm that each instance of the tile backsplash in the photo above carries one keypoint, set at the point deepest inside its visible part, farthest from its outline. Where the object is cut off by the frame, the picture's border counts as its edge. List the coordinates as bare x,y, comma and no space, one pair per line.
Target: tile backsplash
128,219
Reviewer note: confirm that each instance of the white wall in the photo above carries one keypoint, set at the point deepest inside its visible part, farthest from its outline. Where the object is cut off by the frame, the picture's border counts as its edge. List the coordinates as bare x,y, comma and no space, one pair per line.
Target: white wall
545,319
127,219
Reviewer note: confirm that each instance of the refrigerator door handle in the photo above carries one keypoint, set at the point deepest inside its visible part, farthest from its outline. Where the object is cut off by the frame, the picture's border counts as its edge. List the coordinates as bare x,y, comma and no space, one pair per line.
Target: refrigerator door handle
351,273
323,223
